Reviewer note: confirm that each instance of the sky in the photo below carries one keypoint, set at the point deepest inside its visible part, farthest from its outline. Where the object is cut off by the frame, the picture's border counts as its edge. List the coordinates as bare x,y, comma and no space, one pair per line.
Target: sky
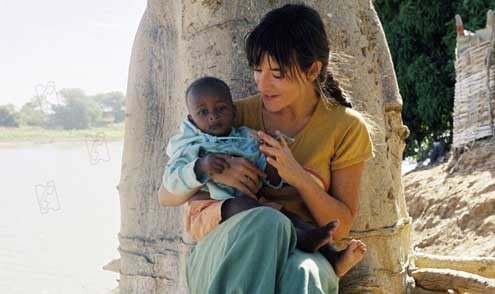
71,44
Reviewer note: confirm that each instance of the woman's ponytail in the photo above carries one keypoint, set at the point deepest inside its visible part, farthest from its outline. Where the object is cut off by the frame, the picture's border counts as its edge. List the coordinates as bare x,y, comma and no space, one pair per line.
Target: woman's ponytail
329,89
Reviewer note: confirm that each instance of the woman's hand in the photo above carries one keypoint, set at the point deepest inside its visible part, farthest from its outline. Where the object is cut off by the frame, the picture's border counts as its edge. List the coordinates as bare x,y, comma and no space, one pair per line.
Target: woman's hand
242,175
280,157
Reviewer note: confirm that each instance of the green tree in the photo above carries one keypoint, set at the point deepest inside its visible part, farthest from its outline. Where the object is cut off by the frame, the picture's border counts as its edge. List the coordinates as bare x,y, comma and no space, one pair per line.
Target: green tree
32,115
422,39
8,116
76,112
112,103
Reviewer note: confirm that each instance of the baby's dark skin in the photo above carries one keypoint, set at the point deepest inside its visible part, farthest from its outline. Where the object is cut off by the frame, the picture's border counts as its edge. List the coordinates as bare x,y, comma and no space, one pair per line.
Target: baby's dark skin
214,115
309,238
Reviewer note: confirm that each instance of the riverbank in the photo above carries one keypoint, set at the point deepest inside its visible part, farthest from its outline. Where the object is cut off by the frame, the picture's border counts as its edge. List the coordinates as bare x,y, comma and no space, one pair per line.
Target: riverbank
37,135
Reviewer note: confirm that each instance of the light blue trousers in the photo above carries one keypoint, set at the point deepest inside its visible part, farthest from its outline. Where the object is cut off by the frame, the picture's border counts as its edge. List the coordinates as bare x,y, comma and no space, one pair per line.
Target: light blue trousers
254,252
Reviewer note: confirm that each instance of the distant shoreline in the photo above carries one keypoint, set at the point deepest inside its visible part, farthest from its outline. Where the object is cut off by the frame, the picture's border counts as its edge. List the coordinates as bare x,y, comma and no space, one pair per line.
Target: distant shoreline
37,135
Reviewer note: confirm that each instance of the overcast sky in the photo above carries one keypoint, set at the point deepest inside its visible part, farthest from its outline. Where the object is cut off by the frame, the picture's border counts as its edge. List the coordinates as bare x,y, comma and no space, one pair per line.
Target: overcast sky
76,44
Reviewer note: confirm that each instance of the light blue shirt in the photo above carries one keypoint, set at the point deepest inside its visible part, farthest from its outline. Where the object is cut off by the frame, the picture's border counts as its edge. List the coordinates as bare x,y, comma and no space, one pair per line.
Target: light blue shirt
191,143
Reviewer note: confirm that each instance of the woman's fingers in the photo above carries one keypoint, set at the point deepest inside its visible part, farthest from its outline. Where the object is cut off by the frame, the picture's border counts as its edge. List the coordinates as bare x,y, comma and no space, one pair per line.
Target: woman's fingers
234,182
270,151
242,174
244,184
268,140
246,191
243,167
273,162
217,168
283,142
251,183
222,162
252,169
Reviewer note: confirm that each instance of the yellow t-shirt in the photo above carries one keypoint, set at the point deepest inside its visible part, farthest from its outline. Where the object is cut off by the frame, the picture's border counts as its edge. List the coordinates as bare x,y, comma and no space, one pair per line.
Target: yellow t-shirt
334,138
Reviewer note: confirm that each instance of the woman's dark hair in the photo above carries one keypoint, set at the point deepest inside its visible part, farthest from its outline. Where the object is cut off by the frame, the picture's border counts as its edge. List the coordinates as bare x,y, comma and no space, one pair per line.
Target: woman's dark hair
294,36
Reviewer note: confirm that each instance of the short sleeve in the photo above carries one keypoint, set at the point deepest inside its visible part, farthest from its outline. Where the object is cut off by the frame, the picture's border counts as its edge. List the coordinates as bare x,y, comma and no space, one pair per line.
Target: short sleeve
248,112
355,147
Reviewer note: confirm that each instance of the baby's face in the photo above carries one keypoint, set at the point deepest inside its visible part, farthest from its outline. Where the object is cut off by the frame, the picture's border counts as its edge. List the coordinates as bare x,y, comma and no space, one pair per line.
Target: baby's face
212,115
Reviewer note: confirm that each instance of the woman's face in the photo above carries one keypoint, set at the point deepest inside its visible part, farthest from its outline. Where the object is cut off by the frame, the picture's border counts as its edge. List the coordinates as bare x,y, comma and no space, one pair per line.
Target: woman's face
278,92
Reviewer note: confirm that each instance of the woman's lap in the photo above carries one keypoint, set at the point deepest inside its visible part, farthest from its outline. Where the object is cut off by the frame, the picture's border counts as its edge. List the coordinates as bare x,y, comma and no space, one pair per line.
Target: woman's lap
243,255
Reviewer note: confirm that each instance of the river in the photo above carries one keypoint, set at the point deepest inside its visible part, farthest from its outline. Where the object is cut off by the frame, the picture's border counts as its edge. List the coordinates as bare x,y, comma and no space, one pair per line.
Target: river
59,217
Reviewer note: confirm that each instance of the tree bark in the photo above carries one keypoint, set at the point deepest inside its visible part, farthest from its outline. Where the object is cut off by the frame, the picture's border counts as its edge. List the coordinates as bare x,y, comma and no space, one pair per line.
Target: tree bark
178,41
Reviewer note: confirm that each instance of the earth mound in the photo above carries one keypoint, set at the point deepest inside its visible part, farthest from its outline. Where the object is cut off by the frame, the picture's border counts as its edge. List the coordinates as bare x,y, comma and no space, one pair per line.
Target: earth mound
453,203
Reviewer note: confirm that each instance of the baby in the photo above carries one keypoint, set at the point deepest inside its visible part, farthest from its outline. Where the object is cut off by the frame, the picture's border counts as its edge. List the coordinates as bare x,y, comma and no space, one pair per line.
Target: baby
198,152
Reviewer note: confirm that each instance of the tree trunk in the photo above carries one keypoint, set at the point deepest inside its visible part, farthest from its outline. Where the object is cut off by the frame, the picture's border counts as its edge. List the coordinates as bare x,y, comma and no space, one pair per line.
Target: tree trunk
178,41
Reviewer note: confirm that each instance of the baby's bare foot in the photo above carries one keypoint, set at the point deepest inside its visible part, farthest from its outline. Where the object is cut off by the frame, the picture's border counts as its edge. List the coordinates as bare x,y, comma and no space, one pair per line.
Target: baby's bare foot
350,257
312,240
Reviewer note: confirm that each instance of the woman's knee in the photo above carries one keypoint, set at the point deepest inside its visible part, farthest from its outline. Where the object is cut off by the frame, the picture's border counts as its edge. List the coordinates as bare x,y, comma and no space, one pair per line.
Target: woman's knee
273,218
263,224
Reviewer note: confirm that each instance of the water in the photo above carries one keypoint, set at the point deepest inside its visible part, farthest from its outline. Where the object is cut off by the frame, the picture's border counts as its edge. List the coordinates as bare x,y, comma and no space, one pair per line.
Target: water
59,217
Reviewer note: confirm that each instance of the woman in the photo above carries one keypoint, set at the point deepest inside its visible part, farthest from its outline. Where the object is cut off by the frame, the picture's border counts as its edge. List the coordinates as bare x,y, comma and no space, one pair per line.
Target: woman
253,252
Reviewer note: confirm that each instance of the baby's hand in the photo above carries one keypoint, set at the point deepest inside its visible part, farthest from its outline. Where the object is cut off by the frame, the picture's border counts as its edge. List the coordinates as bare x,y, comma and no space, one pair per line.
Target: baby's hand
213,163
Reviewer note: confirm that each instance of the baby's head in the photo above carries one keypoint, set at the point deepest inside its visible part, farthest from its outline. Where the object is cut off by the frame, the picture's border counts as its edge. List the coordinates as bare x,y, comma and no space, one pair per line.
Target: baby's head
210,106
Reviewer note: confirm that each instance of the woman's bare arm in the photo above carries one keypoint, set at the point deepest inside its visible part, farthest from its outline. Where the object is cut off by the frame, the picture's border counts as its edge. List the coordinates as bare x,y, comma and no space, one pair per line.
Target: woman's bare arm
165,198
341,203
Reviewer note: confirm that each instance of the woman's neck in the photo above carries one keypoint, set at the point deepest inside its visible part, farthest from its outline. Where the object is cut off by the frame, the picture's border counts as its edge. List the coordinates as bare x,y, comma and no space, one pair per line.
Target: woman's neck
291,119
301,109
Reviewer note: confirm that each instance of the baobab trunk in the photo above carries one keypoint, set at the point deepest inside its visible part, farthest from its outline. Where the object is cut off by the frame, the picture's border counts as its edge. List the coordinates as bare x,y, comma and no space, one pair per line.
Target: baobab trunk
178,41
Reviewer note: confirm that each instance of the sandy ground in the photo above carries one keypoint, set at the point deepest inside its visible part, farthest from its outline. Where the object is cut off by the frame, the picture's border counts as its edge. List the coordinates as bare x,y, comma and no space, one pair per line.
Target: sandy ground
453,204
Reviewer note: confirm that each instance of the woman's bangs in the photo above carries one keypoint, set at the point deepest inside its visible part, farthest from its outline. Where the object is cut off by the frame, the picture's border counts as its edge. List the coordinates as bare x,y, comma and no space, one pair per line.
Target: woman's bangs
271,43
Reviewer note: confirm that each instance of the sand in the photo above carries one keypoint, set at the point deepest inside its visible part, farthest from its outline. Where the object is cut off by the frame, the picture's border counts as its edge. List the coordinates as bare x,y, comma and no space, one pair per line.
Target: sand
453,204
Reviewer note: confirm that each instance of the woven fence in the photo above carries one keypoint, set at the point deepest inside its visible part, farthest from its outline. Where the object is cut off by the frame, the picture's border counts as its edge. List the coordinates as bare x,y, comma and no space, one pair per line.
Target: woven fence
475,85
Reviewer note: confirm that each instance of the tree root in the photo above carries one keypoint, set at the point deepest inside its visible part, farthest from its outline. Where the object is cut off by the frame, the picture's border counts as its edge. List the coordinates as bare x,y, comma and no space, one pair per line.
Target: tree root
444,279
482,266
